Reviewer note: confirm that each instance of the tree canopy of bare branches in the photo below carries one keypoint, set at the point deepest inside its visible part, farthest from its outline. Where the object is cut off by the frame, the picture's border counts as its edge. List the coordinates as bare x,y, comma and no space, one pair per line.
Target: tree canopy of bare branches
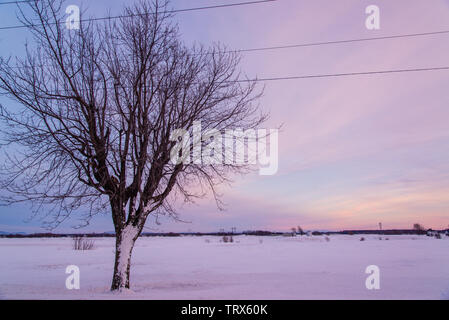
96,109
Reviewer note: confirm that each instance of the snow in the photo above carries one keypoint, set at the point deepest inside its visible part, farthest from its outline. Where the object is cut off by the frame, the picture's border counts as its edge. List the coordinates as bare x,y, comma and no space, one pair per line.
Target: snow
411,267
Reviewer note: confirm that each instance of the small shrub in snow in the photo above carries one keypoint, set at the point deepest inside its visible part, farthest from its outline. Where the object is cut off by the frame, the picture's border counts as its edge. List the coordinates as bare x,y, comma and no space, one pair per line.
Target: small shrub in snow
362,239
327,239
227,239
81,243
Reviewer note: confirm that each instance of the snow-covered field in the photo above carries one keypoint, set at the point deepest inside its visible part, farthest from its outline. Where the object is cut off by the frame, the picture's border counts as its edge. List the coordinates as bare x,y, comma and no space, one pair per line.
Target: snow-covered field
411,267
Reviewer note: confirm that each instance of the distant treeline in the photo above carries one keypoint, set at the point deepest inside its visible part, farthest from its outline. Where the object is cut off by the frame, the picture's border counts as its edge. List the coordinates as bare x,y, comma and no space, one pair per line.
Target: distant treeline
248,233
386,232
145,234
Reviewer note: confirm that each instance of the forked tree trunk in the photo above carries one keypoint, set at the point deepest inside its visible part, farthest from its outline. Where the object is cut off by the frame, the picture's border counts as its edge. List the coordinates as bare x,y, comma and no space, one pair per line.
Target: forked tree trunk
124,244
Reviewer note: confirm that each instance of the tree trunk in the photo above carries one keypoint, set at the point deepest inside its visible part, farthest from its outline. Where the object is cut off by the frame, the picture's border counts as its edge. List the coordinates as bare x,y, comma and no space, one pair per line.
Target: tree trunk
124,244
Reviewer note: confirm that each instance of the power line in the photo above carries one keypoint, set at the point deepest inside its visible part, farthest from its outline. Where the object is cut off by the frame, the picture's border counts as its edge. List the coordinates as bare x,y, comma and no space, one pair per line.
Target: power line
348,74
310,76
291,46
313,44
16,2
218,6
315,76
323,43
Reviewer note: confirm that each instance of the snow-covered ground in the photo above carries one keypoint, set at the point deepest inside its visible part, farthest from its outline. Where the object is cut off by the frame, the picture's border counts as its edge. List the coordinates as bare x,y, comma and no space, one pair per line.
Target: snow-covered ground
411,267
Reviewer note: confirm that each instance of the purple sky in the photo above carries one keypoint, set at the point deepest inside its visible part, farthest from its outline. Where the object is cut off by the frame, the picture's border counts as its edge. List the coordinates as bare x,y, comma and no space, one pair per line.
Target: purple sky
354,151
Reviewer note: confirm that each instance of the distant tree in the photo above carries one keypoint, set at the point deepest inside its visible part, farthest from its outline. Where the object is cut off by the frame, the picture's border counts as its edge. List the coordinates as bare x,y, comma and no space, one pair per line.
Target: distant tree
300,231
418,227
97,107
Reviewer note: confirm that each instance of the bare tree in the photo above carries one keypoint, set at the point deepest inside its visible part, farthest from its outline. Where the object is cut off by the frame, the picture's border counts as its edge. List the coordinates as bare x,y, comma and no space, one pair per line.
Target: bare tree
97,107
418,227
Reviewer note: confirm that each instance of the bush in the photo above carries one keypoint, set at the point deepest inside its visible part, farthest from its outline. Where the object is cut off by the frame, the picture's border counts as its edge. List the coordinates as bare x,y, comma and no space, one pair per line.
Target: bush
418,227
362,239
81,243
227,239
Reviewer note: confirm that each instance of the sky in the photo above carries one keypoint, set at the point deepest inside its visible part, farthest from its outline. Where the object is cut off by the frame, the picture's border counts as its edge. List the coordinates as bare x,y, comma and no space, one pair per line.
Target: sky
353,151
